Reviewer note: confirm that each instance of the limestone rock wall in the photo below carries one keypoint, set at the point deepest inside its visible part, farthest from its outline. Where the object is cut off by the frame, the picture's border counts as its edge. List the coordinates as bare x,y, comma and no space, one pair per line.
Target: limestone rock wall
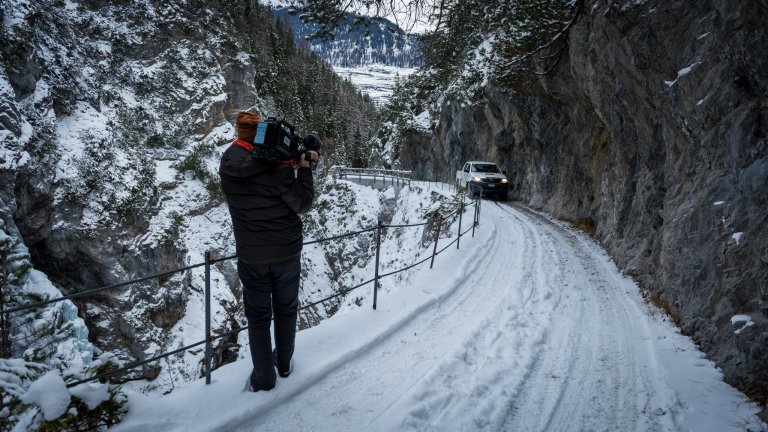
653,130
127,72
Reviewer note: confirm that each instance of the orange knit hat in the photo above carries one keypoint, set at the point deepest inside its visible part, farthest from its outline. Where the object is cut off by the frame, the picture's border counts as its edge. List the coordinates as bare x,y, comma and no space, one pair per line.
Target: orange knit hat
245,124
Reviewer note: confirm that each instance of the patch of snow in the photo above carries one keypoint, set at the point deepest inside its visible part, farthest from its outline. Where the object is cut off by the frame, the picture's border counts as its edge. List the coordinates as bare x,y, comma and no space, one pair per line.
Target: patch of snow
686,70
92,394
718,203
737,236
682,72
376,80
26,132
50,394
424,120
16,14
165,173
24,158
71,132
634,3
738,319
276,3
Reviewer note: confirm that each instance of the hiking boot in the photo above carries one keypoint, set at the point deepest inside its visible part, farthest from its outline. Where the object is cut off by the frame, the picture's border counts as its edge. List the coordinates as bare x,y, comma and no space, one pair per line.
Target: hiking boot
284,373
251,384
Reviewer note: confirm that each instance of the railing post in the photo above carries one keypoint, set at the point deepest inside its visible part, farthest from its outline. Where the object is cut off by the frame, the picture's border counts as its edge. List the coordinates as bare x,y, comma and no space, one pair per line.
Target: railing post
474,221
208,351
437,238
378,250
461,212
479,205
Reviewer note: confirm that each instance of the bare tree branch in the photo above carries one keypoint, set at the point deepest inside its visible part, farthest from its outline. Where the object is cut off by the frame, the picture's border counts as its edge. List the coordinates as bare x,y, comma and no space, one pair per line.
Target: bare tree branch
327,13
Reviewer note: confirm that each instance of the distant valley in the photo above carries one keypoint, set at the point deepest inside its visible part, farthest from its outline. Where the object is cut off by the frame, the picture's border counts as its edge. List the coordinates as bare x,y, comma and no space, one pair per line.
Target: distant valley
371,58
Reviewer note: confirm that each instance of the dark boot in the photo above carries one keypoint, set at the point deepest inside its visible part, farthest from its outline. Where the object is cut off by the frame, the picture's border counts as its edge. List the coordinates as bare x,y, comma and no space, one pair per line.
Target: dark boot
257,383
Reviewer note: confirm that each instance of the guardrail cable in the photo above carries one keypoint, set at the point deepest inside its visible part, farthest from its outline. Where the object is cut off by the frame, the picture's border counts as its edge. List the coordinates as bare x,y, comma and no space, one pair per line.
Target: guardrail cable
340,236
405,226
406,268
134,365
98,290
440,219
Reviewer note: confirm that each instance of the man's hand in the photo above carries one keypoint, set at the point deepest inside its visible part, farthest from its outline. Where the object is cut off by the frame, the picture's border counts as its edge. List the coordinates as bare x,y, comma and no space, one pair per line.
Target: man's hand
304,163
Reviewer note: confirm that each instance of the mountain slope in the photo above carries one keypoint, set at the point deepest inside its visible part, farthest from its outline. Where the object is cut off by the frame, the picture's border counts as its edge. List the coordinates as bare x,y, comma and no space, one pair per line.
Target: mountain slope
356,44
372,57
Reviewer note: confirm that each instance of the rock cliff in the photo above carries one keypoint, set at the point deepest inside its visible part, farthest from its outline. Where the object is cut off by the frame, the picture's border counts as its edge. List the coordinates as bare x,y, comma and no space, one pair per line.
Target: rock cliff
652,133
113,116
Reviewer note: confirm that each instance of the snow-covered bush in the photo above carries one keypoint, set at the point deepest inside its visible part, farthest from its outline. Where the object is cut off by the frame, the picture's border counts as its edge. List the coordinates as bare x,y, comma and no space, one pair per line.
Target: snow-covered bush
99,183
196,162
36,398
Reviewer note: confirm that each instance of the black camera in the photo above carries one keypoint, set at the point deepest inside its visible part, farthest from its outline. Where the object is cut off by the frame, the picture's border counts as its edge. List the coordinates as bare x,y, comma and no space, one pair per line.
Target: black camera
276,140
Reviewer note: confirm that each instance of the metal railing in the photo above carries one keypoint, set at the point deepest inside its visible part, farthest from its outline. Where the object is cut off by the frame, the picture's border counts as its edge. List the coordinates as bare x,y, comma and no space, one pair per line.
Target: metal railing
437,219
398,177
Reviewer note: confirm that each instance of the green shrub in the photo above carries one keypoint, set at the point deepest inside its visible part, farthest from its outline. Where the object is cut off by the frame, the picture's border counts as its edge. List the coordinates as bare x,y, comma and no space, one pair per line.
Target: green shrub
195,163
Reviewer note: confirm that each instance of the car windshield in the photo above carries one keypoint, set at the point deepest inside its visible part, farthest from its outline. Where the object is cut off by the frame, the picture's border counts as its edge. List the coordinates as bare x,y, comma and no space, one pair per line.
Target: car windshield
486,168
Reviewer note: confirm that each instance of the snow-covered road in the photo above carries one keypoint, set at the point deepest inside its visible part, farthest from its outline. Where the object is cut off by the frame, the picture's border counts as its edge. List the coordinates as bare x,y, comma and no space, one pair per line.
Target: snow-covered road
529,327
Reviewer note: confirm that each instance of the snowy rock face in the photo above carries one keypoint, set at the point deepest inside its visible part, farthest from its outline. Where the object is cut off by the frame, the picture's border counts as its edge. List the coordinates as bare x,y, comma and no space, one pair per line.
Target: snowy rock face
651,131
90,90
113,116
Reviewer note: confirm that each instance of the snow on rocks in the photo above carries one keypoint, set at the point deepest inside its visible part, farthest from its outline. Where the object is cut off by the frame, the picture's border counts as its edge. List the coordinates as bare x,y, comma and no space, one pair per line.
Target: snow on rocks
737,237
742,322
682,72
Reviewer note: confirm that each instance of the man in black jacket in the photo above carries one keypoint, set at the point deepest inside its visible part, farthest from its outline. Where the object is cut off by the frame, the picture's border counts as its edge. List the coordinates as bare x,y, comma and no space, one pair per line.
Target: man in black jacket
265,198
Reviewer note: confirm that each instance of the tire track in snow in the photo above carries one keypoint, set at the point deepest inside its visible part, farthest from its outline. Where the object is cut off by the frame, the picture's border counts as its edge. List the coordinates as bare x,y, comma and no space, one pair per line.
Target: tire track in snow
533,330
540,334
469,389
602,381
389,367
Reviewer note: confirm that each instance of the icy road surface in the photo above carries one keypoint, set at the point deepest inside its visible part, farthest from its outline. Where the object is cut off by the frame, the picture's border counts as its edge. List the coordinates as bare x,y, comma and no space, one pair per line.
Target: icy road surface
529,327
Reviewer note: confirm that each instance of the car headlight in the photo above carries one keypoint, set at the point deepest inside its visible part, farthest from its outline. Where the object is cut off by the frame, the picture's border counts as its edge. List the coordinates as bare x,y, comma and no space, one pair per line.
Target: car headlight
504,181
475,179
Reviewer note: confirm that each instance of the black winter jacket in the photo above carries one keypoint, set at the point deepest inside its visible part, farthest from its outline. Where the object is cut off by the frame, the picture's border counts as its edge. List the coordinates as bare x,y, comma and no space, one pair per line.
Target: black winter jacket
264,201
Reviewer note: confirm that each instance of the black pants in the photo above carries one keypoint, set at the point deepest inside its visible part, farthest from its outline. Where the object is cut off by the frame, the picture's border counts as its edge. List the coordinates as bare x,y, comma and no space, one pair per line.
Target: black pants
268,288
